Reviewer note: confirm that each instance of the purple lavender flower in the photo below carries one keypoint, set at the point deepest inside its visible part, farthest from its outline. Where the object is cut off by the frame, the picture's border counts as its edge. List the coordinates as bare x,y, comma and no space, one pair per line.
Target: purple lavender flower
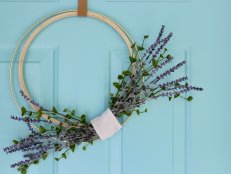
174,82
164,42
154,45
30,100
168,72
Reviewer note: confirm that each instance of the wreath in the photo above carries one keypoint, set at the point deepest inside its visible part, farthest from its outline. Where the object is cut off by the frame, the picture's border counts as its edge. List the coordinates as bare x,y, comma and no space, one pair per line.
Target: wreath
61,131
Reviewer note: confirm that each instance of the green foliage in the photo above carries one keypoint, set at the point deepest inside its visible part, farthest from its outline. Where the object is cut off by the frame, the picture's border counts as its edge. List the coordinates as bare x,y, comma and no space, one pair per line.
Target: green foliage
23,111
15,141
54,110
154,63
146,36
169,56
83,119
133,45
127,73
68,116
84,148
58,129
72,147
64,155
190,98
140,48
36,162
145,73
138,112
42,129
132,59
117,85
92,142
39,114
177,95
120,77
44,156
127,113
23,171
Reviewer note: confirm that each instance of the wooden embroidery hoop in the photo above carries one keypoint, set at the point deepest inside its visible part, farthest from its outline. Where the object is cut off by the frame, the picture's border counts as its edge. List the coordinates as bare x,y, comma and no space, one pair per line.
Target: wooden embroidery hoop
40,25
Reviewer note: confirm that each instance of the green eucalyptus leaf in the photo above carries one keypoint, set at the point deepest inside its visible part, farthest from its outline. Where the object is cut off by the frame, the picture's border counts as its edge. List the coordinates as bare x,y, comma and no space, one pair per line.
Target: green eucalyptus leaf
54,110
154,63
72,147
169,56
39,114
44,156
138,112
190,98
83,119
64,155
15,141
23,111
132,59
68,116
145,73
23,171
57,159
133,45
116,85
42,129
36,162
127,73
120,77
84,148
146,36
140,48
177,95
58,129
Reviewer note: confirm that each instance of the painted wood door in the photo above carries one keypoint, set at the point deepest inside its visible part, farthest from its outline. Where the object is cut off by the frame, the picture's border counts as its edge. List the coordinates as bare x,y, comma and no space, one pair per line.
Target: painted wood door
73,62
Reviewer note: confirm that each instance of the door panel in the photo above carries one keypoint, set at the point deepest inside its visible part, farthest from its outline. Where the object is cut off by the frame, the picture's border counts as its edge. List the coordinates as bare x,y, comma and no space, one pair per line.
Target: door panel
73,63
38,71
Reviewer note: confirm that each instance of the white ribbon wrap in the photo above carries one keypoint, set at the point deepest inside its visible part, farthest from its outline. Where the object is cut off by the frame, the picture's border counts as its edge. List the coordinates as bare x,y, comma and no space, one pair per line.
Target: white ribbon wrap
106,125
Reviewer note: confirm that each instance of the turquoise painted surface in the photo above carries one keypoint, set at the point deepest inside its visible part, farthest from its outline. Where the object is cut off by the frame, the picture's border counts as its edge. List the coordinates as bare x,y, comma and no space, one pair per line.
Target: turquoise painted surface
74,61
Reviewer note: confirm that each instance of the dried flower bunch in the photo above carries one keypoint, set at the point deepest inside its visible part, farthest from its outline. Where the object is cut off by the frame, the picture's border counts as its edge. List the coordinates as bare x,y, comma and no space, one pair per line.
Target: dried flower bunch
135,87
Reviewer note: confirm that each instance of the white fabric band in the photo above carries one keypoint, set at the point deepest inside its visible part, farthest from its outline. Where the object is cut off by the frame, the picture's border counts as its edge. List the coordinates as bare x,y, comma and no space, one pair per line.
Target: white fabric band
106,125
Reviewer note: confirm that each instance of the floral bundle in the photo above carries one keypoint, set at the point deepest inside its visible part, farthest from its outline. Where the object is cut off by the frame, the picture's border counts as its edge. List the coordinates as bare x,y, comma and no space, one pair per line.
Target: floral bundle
141,82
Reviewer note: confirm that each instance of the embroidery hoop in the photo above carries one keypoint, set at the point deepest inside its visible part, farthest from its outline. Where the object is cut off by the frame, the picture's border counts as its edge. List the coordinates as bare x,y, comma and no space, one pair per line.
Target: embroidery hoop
42,24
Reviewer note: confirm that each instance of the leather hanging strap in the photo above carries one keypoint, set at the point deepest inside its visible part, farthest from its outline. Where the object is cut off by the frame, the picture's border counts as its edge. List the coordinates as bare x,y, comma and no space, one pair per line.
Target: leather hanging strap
82,8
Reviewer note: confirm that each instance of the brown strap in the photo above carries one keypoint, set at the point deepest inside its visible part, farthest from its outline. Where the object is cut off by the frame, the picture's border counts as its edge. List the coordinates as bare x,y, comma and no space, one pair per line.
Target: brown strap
82,8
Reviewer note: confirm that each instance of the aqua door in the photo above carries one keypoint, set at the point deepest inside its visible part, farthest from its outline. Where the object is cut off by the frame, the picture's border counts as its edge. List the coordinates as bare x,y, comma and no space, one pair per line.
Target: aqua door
73,62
